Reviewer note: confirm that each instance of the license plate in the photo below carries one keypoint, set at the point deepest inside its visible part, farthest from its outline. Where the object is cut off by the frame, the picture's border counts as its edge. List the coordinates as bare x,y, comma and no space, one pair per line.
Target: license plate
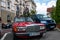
34,34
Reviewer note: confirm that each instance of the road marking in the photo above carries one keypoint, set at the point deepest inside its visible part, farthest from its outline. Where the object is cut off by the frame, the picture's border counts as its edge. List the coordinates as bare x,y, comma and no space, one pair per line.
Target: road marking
5,35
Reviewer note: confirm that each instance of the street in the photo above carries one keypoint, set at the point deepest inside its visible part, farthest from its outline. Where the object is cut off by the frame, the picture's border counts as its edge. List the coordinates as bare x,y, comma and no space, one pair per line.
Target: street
50,35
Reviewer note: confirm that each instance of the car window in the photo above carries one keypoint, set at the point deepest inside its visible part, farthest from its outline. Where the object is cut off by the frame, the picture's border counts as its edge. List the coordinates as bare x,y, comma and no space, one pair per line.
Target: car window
29,20
19,19
23,19
40,16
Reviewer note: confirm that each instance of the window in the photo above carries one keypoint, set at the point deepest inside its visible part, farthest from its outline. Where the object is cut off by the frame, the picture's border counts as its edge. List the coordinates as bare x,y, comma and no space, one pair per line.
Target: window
25,1
20,2
17,7
3,4
8,5
19,19
16,0
23,19
8,18
12,7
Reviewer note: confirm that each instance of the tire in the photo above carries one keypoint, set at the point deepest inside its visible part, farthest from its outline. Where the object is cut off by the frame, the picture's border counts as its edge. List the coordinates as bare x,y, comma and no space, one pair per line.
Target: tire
14,37
41,35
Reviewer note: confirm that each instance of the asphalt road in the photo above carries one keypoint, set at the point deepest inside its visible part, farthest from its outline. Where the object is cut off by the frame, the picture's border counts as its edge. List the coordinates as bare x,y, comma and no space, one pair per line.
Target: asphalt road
50,35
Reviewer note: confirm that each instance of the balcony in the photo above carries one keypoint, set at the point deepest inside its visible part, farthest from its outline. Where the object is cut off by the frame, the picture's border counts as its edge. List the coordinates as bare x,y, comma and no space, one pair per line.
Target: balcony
16,3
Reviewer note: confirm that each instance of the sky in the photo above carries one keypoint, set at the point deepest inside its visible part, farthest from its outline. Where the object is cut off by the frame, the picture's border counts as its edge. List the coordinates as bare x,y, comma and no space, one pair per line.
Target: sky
42,5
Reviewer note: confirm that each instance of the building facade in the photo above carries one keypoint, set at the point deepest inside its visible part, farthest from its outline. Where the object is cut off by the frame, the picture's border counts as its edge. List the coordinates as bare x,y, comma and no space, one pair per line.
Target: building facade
10,8
49,11
7,10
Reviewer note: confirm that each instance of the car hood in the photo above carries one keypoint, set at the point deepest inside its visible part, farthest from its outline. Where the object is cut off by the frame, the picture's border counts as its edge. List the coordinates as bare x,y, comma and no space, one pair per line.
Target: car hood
24,24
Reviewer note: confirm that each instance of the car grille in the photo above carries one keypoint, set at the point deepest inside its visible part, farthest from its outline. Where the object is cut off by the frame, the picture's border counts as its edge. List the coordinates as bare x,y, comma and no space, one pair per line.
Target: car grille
33,29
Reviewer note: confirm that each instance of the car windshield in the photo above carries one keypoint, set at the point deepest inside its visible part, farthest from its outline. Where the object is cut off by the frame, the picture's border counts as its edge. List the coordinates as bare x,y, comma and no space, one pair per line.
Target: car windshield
23,19
40,16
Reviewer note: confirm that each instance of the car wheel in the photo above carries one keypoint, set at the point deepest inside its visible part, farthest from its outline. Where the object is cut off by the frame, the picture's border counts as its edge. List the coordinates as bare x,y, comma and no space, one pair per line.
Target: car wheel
14,37
41,35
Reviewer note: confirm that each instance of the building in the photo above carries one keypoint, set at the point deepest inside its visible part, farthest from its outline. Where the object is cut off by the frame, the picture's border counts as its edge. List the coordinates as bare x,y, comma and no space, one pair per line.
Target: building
26,3
9,9
49,11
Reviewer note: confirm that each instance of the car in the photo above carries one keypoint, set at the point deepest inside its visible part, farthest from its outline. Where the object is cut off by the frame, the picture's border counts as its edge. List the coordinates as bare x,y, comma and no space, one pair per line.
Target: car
9,25
3,26
24,27
48,21
6,25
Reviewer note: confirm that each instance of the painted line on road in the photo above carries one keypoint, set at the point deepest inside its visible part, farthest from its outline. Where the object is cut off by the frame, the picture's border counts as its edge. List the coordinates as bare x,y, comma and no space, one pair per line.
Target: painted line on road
5,35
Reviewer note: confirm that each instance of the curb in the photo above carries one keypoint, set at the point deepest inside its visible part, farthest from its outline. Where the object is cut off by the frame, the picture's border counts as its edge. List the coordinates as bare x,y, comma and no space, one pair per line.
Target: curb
58,29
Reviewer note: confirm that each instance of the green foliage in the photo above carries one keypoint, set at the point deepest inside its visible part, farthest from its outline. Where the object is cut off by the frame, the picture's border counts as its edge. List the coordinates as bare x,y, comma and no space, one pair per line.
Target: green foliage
32,12
57,14
29,13
53,13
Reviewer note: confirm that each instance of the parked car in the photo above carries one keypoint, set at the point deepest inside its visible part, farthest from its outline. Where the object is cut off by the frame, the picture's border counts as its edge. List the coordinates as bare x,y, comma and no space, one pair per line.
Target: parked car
9,25
49,22
4,26
24,27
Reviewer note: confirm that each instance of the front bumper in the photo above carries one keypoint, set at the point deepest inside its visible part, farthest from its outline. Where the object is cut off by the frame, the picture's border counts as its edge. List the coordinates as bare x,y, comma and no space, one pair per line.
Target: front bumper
50,26
28,34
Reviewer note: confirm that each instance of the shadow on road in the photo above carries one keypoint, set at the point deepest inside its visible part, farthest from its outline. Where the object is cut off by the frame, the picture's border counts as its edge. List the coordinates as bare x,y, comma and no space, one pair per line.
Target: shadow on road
34,38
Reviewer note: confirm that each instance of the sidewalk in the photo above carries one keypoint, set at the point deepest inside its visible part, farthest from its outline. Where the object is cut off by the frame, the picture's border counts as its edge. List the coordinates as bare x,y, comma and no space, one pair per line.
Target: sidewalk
58,29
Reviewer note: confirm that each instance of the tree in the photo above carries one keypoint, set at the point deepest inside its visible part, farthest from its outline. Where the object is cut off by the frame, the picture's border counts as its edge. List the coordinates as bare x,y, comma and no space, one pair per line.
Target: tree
53,13
57,14
33,12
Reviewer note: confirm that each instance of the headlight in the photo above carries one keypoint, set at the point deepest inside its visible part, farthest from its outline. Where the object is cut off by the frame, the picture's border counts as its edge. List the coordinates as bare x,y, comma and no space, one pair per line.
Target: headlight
43,22
54,21
21,28
14,28
42,27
